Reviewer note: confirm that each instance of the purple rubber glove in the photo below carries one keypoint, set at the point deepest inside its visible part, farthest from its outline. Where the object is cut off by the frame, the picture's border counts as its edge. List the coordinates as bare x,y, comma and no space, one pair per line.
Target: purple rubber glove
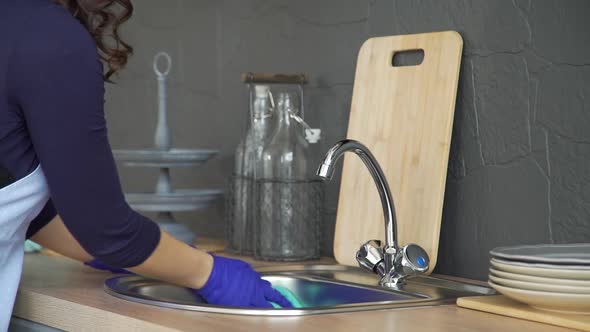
97,264
234,283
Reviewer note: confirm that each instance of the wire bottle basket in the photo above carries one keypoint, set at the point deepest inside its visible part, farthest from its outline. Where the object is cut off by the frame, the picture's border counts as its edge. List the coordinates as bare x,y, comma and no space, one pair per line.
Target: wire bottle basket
239,216
288,220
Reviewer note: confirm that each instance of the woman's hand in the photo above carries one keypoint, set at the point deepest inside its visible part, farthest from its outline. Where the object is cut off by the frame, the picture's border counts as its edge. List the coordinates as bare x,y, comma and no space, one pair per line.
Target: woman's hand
234,283
230,282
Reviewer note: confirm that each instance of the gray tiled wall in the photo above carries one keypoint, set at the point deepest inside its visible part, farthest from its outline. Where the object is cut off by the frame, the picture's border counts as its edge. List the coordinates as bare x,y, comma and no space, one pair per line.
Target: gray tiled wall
519,170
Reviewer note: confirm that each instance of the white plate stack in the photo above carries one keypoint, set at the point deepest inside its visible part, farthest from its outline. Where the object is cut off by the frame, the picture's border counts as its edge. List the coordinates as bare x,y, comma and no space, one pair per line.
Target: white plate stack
548,277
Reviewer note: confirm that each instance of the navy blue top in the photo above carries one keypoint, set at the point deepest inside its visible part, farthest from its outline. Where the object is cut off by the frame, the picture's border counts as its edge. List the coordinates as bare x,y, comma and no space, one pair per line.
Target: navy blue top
51,112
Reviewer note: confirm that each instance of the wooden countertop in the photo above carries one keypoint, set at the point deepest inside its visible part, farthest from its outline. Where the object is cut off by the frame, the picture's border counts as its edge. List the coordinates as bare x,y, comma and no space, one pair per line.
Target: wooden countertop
62,293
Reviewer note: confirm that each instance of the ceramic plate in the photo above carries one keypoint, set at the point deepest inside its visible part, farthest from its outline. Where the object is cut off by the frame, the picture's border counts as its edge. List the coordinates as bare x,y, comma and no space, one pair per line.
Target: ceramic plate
545,287
542,280
556,302
546,253
178,201
578,272
164,158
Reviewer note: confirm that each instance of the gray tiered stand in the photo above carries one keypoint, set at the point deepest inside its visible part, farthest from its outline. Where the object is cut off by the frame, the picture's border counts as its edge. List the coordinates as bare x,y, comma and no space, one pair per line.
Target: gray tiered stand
165,200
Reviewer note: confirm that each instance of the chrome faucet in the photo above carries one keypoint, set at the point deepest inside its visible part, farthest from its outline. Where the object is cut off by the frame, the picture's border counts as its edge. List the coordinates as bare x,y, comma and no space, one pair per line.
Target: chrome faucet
392,263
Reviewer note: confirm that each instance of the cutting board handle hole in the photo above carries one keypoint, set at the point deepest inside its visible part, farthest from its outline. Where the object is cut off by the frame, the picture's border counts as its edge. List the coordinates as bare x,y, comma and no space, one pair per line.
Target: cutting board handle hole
407,58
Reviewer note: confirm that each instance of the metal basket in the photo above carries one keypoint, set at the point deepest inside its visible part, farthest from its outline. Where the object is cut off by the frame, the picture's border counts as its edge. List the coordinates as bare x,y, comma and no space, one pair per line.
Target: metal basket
238,216
288,220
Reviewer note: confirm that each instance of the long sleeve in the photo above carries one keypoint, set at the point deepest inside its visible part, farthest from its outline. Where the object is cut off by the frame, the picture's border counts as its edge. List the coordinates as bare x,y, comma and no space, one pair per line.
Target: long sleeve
42,219
56,79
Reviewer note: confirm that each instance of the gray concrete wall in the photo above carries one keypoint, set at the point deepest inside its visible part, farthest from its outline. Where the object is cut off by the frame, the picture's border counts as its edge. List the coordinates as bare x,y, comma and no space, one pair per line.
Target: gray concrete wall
519,170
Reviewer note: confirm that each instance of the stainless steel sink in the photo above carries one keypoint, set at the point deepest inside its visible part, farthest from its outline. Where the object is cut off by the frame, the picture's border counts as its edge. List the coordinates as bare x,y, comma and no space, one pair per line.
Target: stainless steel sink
320,288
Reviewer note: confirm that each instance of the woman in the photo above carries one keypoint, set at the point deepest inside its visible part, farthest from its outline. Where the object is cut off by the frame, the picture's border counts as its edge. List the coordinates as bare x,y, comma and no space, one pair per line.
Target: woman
62,188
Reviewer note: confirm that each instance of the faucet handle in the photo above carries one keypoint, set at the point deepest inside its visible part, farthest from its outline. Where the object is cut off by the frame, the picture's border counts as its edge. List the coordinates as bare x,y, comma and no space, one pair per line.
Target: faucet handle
412,260
370,256
409,261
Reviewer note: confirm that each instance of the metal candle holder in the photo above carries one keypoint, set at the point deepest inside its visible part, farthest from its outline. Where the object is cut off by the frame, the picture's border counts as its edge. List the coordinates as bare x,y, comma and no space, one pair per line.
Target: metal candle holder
164,200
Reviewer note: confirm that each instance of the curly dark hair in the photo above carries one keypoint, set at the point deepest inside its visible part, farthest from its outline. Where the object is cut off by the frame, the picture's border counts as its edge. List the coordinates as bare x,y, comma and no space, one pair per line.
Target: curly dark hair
102,18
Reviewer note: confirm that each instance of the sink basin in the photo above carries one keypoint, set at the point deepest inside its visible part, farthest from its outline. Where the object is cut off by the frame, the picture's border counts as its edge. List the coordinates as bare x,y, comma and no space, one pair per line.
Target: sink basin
320,289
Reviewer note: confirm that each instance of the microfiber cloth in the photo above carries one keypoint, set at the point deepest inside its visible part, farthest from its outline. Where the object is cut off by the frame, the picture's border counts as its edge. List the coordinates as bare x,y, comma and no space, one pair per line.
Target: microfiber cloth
31,246
289,296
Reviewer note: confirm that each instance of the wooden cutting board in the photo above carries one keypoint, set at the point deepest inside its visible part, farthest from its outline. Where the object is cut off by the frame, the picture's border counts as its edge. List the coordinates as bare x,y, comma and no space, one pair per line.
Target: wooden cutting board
502,305
404,115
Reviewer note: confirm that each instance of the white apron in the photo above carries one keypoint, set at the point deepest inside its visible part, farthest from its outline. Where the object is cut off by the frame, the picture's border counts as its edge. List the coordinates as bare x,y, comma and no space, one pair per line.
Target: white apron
20,203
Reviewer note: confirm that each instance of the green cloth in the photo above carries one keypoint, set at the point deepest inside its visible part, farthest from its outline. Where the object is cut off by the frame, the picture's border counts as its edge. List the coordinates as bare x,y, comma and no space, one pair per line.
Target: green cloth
289,296
31,246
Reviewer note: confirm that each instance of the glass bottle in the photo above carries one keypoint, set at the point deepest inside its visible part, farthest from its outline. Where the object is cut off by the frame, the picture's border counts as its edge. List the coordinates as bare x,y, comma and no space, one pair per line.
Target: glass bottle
241,219
289,201
235,213
287,153
260,130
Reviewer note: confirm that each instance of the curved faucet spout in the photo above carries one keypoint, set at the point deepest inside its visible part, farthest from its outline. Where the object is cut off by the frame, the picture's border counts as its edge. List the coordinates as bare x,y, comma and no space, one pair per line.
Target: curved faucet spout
326,171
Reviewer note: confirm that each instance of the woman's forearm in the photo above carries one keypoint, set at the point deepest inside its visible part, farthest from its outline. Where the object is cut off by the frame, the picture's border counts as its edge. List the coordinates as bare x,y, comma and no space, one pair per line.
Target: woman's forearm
189,268
55,236
174,261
